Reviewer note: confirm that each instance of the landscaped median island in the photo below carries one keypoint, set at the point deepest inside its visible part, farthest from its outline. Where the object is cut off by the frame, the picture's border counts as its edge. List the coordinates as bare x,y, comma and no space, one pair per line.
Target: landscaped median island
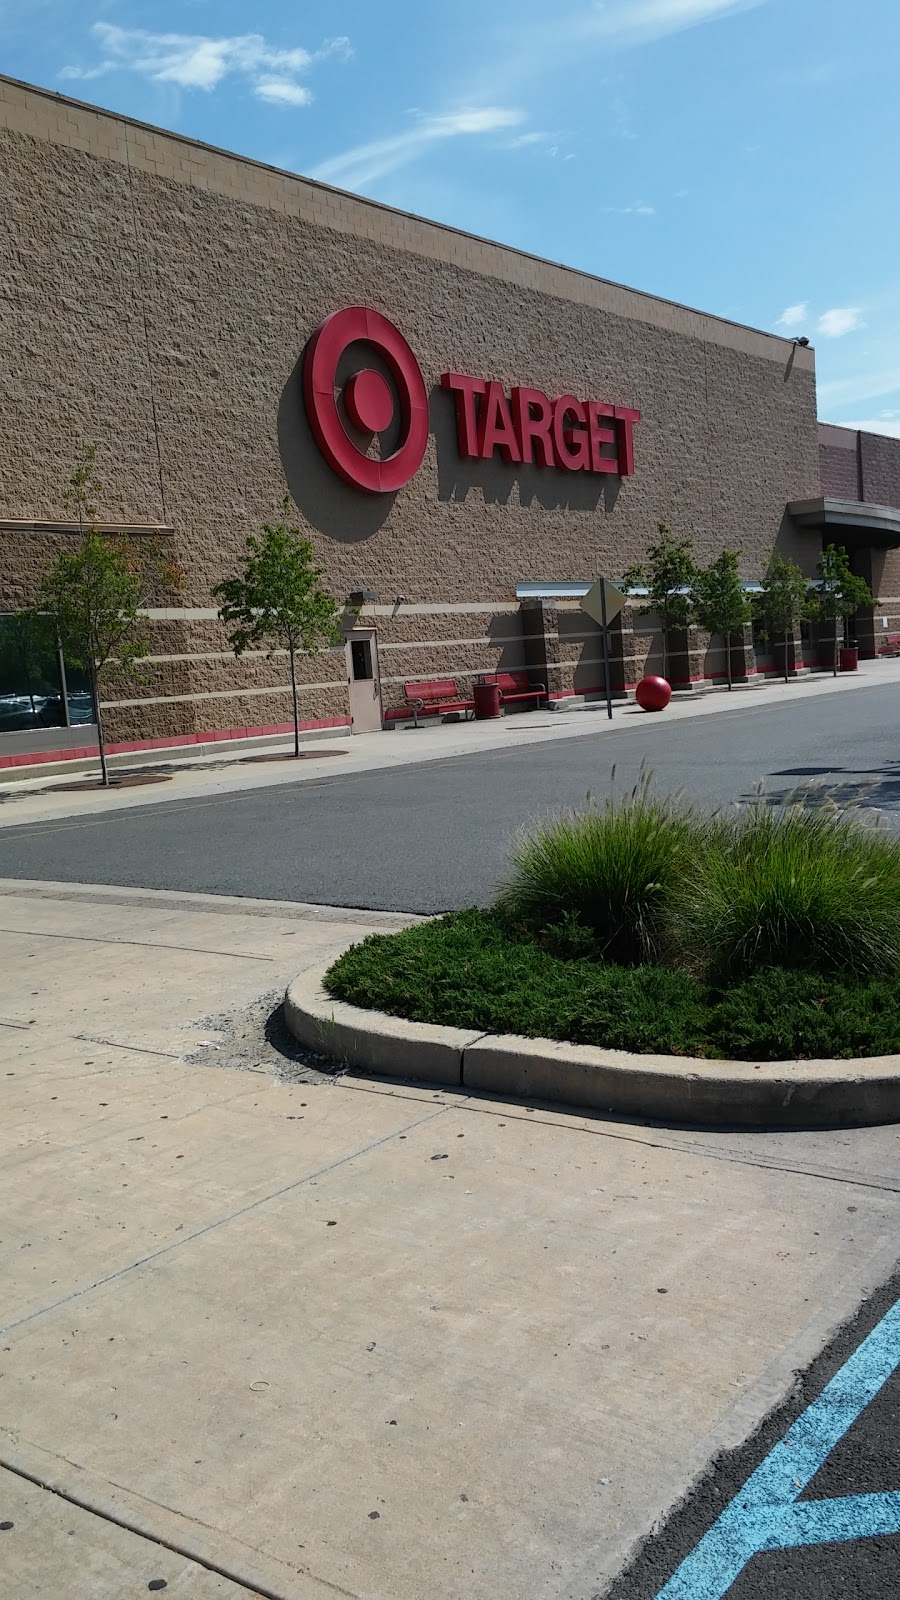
768,934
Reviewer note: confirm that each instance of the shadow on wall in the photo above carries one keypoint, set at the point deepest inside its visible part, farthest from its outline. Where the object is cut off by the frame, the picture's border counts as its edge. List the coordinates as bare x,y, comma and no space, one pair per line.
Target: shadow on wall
325,500
496,479
505,635
795,544
577,632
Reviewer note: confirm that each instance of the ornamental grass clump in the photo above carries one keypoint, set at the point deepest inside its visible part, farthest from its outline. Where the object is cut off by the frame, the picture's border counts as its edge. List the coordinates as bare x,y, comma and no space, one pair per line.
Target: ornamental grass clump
793,886
613,870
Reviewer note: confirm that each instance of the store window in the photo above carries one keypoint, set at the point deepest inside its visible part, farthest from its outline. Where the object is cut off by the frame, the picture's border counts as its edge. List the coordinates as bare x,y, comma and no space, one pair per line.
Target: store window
36,691
361,656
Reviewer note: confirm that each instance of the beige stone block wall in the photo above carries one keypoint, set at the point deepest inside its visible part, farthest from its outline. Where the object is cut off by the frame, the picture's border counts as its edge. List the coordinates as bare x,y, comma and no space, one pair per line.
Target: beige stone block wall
158,299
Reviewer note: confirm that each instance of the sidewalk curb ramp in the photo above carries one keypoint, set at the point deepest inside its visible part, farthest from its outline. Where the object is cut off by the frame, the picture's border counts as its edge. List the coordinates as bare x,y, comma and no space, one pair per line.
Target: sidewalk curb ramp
789,1094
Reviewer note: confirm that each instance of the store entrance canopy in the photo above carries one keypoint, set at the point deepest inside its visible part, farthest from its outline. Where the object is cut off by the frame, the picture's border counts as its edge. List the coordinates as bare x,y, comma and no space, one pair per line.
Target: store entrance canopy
851,523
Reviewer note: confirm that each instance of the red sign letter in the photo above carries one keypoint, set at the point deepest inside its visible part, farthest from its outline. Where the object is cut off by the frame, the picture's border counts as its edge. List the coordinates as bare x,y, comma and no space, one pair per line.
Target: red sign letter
533,419
600,436
495,429
465,390
572,444
625,421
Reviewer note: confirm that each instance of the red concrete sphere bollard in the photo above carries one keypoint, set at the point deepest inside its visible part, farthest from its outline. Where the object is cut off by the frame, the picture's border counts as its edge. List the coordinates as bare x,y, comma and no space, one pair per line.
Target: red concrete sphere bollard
653,694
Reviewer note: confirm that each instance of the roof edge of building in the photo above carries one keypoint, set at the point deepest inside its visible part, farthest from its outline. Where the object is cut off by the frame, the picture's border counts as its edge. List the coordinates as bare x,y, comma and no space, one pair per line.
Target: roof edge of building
335,208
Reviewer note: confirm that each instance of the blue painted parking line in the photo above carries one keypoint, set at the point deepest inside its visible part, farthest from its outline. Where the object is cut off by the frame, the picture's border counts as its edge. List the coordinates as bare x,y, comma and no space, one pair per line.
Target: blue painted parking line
766,1514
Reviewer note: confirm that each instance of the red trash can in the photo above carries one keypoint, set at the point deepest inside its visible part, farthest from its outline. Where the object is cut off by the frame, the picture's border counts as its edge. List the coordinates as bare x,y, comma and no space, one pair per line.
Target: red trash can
849,658
487,701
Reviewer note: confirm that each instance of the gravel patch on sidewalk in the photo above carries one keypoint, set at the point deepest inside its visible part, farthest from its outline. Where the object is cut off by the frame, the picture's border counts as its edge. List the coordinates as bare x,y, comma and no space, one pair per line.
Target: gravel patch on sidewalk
256,1039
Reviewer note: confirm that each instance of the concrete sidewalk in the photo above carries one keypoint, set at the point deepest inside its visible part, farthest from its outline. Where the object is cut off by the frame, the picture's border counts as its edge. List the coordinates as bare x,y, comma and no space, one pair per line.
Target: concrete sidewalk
348,1338
33,799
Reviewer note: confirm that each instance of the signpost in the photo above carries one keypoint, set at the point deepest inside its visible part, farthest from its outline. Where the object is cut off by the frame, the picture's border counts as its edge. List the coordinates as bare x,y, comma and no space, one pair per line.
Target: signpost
602,604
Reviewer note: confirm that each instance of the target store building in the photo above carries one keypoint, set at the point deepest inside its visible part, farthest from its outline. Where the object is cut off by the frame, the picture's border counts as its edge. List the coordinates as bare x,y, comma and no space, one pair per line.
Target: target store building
470,435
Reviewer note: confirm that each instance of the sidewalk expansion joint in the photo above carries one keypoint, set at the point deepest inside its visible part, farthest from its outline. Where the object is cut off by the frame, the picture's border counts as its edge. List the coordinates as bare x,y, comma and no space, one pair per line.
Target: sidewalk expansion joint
126,1524
138,944
138,1049
218,1222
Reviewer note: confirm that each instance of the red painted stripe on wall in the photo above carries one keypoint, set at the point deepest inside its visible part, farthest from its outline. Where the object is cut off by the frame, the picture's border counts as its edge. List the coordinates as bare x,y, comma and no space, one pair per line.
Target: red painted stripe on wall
36,758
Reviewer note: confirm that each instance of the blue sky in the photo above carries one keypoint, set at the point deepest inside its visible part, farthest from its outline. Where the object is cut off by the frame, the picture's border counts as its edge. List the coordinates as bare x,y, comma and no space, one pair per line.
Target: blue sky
738,155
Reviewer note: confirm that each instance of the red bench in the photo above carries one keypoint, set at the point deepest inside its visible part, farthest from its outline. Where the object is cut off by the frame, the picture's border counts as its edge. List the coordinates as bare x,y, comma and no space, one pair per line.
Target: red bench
516,686
890,645
435,697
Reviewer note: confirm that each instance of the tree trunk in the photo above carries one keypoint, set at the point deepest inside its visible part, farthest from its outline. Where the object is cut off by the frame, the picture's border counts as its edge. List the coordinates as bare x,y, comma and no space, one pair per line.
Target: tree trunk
294,699
728,658
665,645
101,736
787,675
835,663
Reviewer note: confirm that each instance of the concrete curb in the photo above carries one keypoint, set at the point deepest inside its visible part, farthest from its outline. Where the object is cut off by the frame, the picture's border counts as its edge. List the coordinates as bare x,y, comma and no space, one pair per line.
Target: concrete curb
388,1046
790,1094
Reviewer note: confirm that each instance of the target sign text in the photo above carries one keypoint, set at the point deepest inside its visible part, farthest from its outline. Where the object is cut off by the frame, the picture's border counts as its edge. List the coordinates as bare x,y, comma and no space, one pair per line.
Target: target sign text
527,428
530,428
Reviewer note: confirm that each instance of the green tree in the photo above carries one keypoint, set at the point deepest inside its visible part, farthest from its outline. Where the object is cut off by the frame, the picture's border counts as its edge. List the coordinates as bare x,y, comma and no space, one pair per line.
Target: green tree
277,600
92,596
720,601
840,593
784,600
669,574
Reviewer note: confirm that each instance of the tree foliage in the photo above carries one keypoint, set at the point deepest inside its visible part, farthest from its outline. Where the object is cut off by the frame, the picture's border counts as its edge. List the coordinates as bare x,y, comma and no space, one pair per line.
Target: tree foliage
92,596
277,600
669,573
840,593
784,600
721,605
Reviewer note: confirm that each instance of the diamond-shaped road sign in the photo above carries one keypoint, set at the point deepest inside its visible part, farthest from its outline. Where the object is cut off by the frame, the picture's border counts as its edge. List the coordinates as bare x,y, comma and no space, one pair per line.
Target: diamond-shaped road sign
601,603
593,601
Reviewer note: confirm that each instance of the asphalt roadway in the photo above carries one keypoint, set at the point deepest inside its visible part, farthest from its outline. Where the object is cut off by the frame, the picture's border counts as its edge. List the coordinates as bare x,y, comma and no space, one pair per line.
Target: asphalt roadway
434,837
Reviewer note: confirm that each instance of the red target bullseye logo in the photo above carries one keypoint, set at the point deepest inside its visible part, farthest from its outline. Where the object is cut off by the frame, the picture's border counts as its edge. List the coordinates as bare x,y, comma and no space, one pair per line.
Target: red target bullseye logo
368,400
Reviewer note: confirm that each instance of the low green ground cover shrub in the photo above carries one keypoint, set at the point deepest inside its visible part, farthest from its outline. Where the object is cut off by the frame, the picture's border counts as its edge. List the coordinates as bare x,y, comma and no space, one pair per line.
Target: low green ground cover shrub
779,1015
471,970
769,933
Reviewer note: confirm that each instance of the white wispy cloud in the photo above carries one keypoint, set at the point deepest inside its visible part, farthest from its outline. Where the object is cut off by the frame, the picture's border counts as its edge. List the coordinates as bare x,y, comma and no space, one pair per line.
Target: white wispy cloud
887,425
198,61
620,115
523,141
551,144
633,21
535,48
793,316
365,163
639,209
572,29
860,390
840,320
282,92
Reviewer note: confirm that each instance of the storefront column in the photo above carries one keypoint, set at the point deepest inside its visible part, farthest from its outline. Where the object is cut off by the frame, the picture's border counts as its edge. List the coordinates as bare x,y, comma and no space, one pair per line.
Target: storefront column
621,655
868,563
628,650
743,655
544,650
715,656
796,665
685,656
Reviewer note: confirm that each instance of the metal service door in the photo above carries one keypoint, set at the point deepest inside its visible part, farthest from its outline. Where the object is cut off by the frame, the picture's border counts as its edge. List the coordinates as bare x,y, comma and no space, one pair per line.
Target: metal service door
364,680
